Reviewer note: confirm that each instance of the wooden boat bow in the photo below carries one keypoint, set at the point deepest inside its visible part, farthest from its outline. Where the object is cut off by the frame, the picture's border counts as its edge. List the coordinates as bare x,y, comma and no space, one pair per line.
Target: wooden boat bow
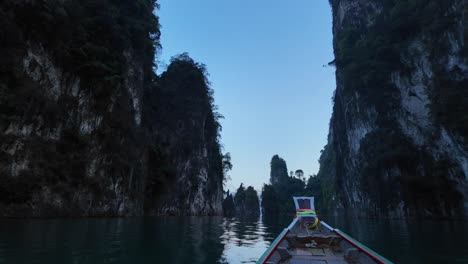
318,243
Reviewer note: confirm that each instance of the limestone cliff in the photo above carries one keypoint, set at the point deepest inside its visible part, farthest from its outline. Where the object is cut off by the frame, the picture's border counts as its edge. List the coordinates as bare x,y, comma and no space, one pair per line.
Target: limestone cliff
73,81
186,129
398,135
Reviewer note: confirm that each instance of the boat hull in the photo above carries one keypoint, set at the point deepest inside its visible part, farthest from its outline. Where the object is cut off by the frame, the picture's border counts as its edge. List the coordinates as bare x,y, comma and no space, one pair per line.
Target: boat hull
298,244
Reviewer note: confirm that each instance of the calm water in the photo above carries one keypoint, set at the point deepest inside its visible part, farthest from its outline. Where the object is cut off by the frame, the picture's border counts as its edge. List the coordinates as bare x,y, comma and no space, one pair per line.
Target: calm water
212,240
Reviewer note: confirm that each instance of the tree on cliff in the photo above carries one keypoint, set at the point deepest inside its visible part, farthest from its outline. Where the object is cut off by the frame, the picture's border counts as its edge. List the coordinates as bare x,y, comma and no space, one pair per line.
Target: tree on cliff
252,206
299,174
227,166
239,198
246,201
228,205
270,204
313,188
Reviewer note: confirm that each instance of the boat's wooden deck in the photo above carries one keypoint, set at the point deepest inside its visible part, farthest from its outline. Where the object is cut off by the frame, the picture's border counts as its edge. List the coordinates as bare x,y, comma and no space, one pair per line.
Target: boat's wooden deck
320,245
315,256
312,247
309,241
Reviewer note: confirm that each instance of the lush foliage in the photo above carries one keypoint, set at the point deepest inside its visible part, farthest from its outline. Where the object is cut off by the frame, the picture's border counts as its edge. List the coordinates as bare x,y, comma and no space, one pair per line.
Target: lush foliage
180,111
277,197
227,166
370,48
391,164
366,56
228,205
107,48
88,41
299,174
246,201
87,38
323,185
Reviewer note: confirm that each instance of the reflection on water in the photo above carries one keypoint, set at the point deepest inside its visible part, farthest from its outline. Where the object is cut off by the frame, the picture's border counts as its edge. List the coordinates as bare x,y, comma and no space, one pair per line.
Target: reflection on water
212,239
134,240
416,241
243,240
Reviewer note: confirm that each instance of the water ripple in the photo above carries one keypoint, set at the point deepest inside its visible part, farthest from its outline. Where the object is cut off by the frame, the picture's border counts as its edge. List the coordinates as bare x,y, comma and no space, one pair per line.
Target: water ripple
211,240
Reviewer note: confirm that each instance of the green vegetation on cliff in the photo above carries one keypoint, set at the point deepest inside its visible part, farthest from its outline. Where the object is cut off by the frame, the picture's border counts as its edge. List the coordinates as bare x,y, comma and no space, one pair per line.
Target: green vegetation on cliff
78,52
367,55
229,208
244,203
86,38
277,196
397,141
182,118
82,109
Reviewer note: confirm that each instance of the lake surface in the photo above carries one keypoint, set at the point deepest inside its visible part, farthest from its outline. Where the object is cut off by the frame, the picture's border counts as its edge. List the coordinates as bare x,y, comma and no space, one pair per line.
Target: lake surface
212,239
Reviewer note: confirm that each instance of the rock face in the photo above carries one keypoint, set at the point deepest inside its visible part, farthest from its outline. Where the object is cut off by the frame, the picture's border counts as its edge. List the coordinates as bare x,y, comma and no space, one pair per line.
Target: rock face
398,134
75,135
279,170
186,129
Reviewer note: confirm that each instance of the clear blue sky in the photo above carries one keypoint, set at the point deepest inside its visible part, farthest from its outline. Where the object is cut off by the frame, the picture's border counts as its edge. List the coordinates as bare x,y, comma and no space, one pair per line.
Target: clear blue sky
265,59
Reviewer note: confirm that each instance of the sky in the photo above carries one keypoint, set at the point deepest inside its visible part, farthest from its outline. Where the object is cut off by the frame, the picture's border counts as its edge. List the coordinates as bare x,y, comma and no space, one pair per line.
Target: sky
265,60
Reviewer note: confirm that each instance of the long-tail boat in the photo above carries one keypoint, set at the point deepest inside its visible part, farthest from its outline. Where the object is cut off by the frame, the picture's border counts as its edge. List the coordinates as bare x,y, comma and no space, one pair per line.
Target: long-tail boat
310,240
